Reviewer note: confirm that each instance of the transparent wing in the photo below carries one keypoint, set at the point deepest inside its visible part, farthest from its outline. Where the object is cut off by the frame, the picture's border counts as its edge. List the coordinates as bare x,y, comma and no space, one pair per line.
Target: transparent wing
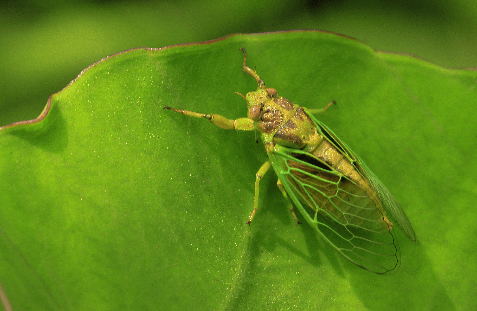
389,203
339,210
350,216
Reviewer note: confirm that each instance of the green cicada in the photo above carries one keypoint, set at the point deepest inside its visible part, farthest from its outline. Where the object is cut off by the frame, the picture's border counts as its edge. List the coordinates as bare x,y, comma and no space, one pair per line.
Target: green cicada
319,174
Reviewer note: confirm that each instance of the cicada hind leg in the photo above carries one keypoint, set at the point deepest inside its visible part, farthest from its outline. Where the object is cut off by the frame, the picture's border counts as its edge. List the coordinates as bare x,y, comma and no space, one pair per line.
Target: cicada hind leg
261,172
290,204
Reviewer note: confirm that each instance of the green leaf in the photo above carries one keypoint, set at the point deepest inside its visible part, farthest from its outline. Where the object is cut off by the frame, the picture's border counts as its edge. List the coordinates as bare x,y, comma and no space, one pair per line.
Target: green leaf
110,202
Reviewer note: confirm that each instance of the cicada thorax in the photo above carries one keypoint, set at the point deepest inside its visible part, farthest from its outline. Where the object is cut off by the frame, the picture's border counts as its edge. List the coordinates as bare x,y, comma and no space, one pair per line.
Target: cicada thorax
325,176
279,120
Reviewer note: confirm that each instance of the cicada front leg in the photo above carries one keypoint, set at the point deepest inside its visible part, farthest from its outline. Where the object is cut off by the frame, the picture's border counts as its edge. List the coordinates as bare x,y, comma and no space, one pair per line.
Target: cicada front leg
241,124
321,110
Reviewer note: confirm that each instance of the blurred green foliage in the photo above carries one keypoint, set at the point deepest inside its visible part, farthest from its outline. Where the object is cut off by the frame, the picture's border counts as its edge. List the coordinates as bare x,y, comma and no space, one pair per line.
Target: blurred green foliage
45,44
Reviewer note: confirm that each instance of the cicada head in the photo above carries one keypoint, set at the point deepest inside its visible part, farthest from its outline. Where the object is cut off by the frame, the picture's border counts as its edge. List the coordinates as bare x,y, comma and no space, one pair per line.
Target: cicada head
256,100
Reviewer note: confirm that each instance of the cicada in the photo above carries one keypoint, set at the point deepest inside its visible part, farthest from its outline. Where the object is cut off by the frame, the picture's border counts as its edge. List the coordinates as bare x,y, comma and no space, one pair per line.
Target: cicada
319,175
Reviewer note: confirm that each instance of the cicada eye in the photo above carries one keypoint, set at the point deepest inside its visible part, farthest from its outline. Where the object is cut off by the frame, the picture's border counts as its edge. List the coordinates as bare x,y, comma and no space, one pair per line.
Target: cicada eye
254,112
272,92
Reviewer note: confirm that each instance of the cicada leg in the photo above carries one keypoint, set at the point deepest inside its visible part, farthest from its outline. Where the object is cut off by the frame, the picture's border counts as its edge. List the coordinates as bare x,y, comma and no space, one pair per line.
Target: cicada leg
241,124
290,204
251,72
321,110
261,172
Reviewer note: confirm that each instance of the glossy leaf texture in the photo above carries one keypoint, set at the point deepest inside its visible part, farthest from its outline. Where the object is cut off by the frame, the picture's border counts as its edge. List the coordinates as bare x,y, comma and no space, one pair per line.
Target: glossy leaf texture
109,202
